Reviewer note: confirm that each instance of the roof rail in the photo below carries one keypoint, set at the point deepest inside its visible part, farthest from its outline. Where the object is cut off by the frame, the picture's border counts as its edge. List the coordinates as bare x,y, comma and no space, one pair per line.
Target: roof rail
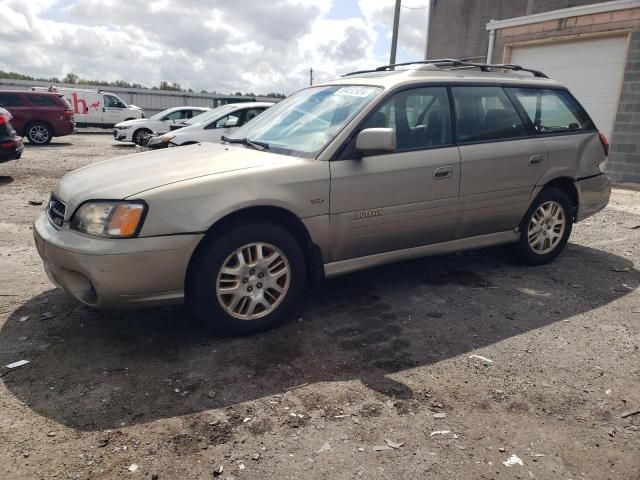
454,62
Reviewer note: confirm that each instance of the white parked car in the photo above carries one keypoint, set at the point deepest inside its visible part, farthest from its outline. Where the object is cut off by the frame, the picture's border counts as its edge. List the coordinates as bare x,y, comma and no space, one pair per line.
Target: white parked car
136,130
215,124
96,108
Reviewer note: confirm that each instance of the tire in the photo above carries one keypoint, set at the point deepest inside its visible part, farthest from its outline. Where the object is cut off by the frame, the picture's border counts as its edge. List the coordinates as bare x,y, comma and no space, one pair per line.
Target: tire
542,244
39,133
244,311
139,135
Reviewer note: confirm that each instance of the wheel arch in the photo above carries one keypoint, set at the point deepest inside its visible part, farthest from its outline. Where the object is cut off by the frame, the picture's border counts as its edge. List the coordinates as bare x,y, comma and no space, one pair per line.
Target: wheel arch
568,186
273,214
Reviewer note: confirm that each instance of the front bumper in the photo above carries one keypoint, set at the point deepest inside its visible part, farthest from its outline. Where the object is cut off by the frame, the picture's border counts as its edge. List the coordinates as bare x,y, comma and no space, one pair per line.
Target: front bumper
115,273
593,195
121,135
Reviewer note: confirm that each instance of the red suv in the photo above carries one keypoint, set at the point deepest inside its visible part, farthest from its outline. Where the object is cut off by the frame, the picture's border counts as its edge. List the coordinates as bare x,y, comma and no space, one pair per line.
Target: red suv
39,116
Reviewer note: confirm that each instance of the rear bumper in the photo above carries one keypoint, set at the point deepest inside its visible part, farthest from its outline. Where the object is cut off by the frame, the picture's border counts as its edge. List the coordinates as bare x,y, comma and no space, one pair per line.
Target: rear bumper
593,195
115,273
60,129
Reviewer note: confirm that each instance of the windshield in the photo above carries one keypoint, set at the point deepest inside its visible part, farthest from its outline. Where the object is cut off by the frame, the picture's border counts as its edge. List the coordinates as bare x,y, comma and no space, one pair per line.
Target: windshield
308,120
209,115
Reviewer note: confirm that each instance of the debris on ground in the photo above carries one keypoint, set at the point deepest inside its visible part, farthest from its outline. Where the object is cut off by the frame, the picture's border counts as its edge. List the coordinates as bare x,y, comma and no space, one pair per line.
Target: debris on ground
47,315
439,432
439,415
393,444
484,360
631,225
381,448
17,364
133,467
23,319
629,413
103,442
324,448
51,434
35,202
512,460
621,269
218,471
255,456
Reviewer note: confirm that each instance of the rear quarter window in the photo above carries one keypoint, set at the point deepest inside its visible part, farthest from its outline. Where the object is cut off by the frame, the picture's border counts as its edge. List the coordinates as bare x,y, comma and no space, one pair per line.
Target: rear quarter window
551,110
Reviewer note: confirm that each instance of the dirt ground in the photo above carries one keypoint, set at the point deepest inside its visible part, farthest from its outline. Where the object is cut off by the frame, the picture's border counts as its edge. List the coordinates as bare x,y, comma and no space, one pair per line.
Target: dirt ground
373,378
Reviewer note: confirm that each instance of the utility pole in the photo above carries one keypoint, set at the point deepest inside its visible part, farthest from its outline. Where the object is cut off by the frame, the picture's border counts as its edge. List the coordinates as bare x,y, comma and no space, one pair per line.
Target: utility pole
426,41
311,76
394,37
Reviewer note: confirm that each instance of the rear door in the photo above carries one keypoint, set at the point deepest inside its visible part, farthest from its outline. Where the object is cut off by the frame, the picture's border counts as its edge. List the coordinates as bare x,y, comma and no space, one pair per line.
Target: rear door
17,106
501,161
403,199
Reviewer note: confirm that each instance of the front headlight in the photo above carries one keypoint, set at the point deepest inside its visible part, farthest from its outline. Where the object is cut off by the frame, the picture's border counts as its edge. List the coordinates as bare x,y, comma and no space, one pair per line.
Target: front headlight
109,219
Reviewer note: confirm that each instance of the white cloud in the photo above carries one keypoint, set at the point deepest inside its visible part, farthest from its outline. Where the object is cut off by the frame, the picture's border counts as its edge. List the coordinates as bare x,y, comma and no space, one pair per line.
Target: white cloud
226,45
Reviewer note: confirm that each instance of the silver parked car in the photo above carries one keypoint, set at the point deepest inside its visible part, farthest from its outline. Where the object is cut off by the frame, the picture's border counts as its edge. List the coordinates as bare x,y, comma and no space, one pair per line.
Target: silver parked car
374,167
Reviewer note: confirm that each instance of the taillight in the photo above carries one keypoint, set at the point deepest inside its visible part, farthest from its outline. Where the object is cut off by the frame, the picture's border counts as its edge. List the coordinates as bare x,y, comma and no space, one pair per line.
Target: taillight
68,113
3,120
605,144
10,144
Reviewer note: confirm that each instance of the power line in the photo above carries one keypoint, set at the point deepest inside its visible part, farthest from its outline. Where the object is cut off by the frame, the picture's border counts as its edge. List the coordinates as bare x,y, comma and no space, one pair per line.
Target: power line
414,8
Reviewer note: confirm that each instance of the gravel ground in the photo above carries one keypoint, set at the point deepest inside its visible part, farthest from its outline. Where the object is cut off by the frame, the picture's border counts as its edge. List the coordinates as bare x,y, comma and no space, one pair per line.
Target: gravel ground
375,377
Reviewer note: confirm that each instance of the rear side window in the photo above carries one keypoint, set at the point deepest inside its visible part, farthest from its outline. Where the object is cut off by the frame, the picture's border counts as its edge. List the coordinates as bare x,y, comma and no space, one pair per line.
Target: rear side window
43,101
420,117
10,100
551,110
485,113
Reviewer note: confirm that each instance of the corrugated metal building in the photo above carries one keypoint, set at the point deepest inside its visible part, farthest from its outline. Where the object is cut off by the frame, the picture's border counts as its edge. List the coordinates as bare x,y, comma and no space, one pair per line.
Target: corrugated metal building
592,47
152,101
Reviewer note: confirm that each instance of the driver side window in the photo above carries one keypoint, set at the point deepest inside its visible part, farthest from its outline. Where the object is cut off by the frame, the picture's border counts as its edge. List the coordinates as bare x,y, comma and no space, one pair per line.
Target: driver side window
227,121
421,118
112,102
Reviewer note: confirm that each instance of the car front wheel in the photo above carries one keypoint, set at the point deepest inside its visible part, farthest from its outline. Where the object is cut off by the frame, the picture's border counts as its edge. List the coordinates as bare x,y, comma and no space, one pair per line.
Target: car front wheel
247,280
546,227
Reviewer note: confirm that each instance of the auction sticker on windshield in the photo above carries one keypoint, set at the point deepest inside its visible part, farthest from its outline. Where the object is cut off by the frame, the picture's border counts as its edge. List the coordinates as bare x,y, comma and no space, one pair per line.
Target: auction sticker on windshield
356,91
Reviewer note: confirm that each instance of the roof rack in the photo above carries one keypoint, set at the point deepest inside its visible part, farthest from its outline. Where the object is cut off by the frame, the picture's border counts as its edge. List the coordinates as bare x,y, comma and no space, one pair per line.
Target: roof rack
456,63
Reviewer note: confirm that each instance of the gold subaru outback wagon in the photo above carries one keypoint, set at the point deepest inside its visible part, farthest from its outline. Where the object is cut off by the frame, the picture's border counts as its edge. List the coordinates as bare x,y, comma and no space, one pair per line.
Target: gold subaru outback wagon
374,167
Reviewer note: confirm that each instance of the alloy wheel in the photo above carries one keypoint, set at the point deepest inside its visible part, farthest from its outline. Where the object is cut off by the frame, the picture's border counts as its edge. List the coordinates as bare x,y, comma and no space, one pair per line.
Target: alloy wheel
39,134
253,281
546,227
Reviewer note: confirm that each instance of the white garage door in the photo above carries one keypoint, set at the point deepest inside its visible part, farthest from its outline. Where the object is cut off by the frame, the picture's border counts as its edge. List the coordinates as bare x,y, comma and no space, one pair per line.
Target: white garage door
591,69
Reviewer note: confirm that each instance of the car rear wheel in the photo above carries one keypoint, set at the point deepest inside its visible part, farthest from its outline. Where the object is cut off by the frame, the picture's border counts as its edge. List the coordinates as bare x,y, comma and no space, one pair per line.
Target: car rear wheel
140,135
247,280
39,133
546,227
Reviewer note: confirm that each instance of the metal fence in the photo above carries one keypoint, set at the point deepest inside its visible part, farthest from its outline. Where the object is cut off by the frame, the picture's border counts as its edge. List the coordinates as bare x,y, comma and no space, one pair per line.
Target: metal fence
152,101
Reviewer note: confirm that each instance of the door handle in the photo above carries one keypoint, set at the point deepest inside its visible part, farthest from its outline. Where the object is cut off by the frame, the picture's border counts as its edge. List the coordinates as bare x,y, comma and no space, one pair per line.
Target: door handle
442,172
535,159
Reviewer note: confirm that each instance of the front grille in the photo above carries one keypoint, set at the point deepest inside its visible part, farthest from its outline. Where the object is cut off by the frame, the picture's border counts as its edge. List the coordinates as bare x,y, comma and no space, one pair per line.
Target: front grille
56,211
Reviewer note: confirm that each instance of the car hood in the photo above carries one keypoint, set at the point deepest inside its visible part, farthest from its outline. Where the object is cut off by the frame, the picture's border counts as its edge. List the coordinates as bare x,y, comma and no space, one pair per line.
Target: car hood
128,123
128,176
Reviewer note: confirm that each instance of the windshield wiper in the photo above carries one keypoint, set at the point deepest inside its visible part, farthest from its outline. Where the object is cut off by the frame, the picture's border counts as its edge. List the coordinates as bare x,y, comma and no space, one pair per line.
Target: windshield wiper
262,146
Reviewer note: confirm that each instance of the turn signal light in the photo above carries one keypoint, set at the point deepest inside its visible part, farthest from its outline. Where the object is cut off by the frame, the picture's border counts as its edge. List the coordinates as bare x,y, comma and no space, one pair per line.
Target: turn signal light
125,220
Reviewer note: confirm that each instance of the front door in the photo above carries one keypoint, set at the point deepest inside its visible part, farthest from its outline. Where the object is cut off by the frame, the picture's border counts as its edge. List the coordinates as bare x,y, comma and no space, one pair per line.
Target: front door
403,199
501,161
113,110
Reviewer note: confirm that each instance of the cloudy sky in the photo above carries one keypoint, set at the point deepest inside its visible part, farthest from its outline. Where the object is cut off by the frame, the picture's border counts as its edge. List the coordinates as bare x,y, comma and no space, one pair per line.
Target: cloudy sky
226,45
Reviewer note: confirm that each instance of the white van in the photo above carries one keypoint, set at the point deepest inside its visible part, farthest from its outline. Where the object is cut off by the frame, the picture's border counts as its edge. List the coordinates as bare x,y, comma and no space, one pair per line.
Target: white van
96,108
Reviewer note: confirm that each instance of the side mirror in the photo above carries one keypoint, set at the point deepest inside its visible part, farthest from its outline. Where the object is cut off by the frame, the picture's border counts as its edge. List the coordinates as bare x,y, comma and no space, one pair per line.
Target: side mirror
376,141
